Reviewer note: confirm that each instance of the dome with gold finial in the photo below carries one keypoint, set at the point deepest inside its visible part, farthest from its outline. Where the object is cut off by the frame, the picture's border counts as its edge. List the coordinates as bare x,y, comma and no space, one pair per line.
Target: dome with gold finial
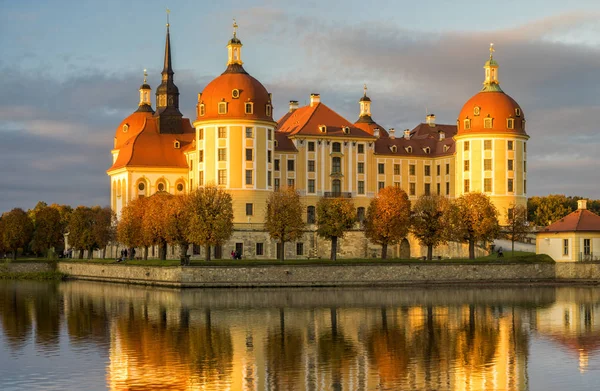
491,110
235,94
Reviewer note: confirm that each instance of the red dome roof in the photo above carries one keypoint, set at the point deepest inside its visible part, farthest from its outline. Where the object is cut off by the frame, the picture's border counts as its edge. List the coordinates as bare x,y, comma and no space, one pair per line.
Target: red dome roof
249,90
495,105
131,126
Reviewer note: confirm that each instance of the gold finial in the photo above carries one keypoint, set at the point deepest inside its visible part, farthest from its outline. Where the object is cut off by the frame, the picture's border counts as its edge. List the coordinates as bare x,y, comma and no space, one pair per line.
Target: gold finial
492,50
365,89
235,27
145,75
168,12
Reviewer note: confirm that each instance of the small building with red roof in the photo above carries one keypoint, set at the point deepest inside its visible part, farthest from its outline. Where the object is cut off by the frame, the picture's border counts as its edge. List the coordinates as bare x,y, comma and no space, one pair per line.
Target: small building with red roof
575,237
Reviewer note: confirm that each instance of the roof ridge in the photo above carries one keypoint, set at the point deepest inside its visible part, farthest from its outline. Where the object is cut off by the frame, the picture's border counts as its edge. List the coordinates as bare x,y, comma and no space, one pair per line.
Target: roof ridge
579,218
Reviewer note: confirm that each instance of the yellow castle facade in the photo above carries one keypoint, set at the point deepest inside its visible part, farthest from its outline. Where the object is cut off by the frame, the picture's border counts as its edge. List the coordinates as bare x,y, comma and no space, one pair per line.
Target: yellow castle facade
235,143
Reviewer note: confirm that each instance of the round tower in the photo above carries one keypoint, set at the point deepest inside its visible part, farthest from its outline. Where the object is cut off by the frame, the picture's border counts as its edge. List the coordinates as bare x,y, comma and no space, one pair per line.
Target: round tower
491,145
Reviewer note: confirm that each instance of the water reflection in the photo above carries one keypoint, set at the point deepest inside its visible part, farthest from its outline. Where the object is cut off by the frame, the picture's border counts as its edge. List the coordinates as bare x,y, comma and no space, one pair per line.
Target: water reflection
352,339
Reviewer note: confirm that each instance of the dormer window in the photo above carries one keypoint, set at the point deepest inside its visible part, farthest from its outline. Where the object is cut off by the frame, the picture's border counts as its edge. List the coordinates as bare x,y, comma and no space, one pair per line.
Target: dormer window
276,144
249,107
222,107
322,128
427,150
487,123
202,109
394,149
517,111
268,110
476,110
408,149
467,124
446,148
176,144
346,130
125,128
510,123
235,93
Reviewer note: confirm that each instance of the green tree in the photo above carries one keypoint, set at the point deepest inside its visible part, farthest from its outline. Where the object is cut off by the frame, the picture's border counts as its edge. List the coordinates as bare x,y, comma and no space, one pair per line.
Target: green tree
546,210
429,221
211,217
517,226
283,218
388,218
473,218
48,230
335,216
17,230
80,230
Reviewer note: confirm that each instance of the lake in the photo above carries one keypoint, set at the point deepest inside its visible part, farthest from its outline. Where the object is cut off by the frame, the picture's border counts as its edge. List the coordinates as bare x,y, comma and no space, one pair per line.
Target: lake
95,336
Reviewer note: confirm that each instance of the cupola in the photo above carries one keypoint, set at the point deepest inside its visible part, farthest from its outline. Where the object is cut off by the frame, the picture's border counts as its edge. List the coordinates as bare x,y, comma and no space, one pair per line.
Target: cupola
145,104
365,104
234,48
491,82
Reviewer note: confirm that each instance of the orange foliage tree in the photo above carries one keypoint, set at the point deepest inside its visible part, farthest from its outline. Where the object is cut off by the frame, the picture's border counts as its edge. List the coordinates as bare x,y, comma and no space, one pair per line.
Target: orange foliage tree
155,221
388,218
429,221
177,224
335,216
130,227
48,230
283,218
17,230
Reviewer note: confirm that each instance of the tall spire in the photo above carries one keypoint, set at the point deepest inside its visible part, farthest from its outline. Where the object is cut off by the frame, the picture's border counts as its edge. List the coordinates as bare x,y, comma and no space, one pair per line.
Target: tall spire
167,93
491,83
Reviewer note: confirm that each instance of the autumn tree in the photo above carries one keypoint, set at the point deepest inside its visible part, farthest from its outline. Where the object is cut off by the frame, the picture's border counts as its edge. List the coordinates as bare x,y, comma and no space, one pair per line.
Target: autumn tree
517,226
473,218
429,221
103,228
80,230
335,216
129,228
155,221
17,230
48,230
283,218
177,224
211,217
388,218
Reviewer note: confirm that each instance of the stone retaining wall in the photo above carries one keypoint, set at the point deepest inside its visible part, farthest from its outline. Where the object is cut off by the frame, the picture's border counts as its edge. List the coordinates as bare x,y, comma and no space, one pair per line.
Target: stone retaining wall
577,271
26,267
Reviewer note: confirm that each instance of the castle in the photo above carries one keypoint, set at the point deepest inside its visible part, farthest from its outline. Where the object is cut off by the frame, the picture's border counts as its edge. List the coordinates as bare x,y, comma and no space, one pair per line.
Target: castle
235,142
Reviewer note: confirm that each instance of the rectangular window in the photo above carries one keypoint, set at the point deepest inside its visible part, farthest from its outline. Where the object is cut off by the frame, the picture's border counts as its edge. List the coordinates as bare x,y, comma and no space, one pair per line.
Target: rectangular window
249,133
311,166
361,148
510,123
269,134
510,165
587,249
510,145
412,189
380,185
438,170
222,132
191,165
466,145
311,146
427,170
201,178
269,176
487,185
510,185
200,134
467,164
427,189
222,177
260,249
239,248
276,183
361,187
565,246
447,168
447,188
487,145
290,182
361,168
291,165
222,154
311,185
248,107
525,166
248,177
396,169
524,147
467,185
487,123
299,248
487,165
525,186
249,154
411,169
439,189
381,168
249,209
276,164
269,156
397,184
222,107
201,155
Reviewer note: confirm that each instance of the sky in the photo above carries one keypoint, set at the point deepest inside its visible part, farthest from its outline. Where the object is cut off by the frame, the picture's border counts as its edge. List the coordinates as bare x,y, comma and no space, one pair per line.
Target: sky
69,73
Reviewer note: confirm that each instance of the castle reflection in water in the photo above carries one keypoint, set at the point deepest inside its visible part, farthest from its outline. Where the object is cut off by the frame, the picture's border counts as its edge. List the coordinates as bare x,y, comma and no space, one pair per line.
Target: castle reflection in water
351,339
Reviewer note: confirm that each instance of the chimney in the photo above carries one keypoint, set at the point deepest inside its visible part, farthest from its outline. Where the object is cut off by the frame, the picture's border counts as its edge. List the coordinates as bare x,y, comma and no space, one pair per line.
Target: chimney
430,120
407,134
442,135
582,204
376,132
293,105
392,133
314,99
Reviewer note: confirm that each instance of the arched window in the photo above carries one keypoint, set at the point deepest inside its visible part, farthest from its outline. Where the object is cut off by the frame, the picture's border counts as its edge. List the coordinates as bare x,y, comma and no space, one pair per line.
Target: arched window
141,189
179,187
336,165
336,147
360,214
336,187
310,215
160,186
